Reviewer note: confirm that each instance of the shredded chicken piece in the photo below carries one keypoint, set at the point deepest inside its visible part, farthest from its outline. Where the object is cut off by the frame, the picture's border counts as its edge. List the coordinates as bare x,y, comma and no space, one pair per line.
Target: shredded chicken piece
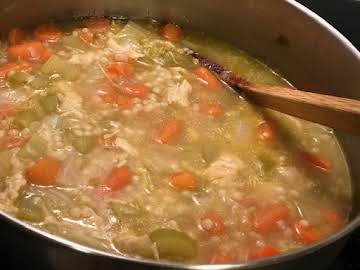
225,168
180,93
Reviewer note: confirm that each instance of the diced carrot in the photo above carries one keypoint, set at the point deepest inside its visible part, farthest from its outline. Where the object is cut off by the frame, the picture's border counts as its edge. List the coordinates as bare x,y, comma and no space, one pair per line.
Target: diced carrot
48,33
120,70
212,108
220,258
44,172
7,110
135,90
169,132
98,24
265,221
10,142
14,67
266,132
316,161
172,32
16,36
106,140
262,252
124,102
118,178
212,224
306,234
32,51
334,218
204,75
87,37
183,180
109,94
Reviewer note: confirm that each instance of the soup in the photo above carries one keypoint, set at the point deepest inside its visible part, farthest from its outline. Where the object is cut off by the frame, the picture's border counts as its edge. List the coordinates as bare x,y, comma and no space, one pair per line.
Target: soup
114,137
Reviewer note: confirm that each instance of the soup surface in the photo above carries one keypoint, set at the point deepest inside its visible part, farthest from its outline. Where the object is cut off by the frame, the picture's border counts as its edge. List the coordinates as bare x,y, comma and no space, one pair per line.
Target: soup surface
113,137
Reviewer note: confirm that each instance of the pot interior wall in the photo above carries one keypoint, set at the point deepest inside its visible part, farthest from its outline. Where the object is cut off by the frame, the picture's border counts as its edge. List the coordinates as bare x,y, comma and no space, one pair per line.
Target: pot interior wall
309,55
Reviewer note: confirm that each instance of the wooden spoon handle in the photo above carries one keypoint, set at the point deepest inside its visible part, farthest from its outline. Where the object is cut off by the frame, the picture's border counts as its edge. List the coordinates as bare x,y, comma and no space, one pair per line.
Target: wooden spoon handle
339,113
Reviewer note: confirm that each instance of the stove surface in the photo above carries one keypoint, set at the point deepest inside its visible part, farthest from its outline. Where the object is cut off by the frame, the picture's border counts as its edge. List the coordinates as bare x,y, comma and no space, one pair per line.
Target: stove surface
344,15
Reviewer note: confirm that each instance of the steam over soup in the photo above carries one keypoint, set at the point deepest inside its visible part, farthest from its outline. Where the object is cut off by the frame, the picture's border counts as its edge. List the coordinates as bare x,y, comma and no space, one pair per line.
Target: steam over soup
115,138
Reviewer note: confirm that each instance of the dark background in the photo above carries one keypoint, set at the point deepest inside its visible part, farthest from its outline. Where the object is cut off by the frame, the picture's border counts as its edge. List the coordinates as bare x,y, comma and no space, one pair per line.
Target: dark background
345,16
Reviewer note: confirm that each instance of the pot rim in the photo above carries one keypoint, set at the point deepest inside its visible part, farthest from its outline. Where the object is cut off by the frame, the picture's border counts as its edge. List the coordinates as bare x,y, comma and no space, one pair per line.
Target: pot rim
244,265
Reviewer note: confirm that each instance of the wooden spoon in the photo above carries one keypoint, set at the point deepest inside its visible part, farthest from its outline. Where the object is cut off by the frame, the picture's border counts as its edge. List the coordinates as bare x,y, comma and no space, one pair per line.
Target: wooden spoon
336,112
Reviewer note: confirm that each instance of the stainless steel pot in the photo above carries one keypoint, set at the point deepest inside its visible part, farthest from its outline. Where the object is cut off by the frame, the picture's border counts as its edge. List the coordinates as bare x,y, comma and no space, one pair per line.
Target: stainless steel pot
306,49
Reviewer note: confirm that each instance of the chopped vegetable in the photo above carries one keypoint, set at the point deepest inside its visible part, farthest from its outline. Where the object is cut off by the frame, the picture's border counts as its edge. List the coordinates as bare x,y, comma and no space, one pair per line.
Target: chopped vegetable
44,172
212,108
169,132
306,234
57,65
334,218
183,180
25,118
32,51
7,110
204,75
220,258
18,78
316,161
16,36
135,90
48,33
118,178
9,142
172,32
266,132
83,144
5,164
40,81
145,175
75,42
262,252
265,221
212,224
120,70
49,103
6,69
174,245
98,24
124,102
29,209
34,148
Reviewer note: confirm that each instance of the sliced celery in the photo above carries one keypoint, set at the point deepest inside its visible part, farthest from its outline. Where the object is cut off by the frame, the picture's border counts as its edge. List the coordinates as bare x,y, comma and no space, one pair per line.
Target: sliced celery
25,118
146,177
34,148
29,208
40,81
134,31
174,245
5,164
74,42
19,78
83,144
49,103
57,65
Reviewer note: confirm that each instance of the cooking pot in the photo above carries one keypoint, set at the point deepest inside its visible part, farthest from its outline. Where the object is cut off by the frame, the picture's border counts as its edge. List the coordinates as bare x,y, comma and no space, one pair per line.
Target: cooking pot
286,35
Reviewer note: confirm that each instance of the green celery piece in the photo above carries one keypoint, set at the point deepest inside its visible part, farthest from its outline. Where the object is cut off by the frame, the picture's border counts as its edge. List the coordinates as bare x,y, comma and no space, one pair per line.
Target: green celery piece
174,245
34,148
134,31
268,162
83,144
29,209
74,42
66,70
5,164
19,78
49,103
25,118
40,81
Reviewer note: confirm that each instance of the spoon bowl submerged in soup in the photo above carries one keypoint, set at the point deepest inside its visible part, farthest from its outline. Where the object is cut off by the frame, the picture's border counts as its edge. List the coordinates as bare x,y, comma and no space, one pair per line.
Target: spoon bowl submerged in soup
115,138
